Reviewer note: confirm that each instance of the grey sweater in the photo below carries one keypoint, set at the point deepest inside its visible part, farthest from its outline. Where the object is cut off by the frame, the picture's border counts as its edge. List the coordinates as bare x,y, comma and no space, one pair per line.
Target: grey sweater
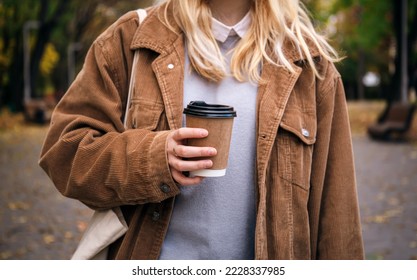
216,219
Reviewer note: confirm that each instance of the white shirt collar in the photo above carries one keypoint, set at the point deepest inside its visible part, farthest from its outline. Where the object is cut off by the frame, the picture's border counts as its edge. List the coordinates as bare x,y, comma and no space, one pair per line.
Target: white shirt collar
221,31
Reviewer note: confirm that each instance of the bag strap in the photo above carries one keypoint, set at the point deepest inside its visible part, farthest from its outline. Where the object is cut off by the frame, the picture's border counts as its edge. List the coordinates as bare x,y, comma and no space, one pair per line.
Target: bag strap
142,15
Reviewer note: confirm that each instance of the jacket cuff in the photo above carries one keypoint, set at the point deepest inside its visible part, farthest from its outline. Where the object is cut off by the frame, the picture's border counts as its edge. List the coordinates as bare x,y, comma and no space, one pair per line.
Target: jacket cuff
152,172
160,173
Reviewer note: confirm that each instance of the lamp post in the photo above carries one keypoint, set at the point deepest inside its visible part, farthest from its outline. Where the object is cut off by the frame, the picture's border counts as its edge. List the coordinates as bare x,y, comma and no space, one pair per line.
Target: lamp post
72,48
26,58
404,78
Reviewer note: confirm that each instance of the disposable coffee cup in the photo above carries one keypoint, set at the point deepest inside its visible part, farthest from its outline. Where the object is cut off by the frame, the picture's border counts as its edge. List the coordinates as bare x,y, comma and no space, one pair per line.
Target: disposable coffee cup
217,119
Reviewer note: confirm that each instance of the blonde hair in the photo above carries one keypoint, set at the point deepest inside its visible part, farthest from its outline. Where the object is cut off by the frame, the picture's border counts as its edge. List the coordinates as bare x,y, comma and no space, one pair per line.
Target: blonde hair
273,22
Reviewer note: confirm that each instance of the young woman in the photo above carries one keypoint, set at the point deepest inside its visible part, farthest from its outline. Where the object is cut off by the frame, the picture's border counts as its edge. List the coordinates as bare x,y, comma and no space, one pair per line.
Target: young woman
289,191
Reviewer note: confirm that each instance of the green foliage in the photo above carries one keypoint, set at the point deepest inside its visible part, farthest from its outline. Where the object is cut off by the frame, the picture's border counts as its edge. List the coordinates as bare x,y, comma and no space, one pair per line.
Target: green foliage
62,22
12,17
363,31
365,34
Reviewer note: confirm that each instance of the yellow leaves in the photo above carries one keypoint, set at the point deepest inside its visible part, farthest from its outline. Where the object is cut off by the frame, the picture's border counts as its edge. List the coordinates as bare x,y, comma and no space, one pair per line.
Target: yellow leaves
9,120
48,239
379,219
18,205
36,221
385,217
22,220
49,60
375,256
362,114
68,235
81,225
413,244
4,255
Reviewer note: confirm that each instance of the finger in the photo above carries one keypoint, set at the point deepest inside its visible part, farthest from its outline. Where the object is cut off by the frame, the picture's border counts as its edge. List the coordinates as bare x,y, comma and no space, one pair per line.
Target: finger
187,132
188,165
183,180
191,151
175,152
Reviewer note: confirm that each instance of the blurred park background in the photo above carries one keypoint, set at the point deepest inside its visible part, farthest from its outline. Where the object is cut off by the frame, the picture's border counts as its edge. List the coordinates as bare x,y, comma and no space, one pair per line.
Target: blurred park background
42,47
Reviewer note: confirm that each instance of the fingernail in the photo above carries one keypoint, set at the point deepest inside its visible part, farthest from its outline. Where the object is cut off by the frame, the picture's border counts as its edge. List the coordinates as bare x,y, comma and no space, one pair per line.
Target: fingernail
204,132
212,152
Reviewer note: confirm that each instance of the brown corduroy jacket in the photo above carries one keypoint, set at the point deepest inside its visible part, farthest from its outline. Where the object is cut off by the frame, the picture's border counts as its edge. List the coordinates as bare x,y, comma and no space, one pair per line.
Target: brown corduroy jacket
307,205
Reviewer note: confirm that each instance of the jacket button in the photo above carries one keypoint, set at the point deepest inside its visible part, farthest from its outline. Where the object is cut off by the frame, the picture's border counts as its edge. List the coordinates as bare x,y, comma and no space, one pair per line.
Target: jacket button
155,216
305,132
165,189
170,66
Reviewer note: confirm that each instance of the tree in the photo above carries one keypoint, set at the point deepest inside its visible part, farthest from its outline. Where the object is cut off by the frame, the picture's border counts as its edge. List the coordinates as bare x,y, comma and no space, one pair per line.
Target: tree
12,48
366,31
369,32
60,23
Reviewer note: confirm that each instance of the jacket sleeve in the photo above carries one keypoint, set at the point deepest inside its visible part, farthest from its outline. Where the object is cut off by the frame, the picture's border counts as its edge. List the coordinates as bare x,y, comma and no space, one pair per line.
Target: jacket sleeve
87,152
339,227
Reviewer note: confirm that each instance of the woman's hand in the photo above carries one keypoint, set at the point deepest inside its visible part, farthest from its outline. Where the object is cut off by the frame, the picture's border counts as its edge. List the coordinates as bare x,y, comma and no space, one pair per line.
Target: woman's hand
180,156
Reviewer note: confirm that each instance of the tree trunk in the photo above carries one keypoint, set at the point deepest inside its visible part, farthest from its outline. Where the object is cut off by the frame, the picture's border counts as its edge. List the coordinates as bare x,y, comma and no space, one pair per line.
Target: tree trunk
395,86
13,95
13,90
361,73
411,45
44,34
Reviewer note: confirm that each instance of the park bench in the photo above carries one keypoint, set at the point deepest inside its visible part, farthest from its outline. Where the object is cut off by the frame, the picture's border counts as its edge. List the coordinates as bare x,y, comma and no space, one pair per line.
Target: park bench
39,110
394,122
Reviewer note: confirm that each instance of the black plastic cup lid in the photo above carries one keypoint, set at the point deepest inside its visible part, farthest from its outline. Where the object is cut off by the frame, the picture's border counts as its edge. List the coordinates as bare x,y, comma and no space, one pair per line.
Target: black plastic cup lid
204,110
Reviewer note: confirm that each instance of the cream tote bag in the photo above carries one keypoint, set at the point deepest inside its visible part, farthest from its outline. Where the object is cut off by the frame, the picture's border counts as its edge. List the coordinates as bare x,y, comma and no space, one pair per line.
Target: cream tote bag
106,226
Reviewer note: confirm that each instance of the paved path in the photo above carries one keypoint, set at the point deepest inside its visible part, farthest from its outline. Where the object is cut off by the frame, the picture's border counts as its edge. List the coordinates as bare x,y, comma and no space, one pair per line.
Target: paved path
387,186
38,223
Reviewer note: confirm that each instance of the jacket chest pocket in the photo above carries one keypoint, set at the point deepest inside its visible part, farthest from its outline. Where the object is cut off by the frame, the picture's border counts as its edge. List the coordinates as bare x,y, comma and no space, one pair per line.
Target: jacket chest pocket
295,140
145,114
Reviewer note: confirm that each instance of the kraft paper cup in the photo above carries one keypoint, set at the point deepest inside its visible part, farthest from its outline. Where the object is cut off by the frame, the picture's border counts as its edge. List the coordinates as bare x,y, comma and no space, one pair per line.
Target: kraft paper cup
217,119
